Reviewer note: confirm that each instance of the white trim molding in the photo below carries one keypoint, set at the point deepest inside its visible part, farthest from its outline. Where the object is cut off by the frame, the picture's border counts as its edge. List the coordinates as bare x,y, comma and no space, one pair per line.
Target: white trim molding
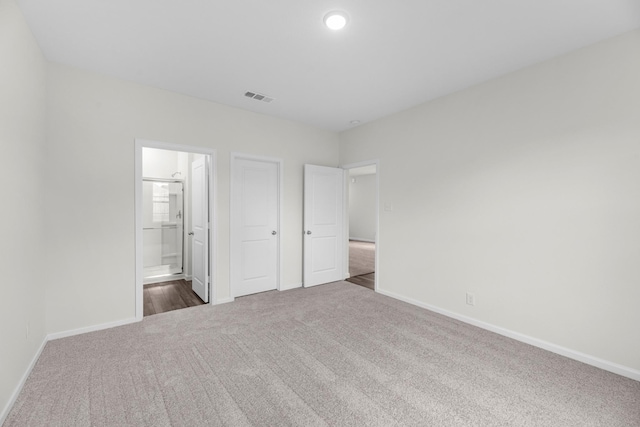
46,339
139,144
80,331
16,392
625,371
169,278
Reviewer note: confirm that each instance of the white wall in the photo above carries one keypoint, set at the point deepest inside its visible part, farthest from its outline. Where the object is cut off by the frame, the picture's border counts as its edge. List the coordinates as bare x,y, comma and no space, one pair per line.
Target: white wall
158,163
93,122
22,137
525,191
362,207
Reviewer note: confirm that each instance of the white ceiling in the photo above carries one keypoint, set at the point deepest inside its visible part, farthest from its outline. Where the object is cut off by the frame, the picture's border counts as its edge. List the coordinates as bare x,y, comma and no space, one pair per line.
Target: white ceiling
391,56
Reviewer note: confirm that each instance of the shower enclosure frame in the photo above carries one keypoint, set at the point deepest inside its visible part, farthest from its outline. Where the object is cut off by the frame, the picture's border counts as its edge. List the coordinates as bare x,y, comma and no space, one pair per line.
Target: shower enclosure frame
169,276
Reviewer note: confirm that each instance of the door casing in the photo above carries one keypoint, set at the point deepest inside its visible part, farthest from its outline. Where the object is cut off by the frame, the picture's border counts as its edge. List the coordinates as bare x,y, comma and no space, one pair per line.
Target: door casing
139,144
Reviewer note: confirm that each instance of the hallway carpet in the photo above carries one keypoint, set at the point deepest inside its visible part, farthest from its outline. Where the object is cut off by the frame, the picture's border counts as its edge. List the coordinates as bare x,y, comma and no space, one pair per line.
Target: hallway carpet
336,355
362,258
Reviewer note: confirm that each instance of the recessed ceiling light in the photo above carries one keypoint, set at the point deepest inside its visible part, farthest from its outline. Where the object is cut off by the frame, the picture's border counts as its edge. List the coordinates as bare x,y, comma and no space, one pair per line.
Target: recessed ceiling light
354,122
336,20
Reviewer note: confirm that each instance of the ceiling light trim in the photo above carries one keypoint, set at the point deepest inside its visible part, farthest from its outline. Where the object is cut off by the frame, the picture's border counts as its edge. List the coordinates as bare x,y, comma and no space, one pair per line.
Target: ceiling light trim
336,20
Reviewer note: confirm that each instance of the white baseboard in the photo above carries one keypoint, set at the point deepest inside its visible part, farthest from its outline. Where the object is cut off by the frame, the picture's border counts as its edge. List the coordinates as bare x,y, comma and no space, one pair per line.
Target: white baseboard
50,337
16,392
290,286
224,300
168,278
70,333
361,239
625,371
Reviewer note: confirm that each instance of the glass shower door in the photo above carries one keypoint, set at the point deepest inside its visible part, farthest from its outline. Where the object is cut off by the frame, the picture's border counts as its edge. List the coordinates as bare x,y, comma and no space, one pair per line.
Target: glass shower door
163,213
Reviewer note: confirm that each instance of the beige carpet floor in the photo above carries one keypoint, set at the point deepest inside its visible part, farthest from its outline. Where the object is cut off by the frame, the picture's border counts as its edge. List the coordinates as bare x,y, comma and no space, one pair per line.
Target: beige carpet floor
362,258
337,355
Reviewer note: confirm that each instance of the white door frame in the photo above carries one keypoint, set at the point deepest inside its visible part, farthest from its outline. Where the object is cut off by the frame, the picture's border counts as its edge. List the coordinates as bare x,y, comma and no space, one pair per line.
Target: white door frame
233,215
346,168
211,153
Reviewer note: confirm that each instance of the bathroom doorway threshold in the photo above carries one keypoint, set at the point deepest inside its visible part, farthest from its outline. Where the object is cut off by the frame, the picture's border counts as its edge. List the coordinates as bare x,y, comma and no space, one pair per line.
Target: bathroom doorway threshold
169,296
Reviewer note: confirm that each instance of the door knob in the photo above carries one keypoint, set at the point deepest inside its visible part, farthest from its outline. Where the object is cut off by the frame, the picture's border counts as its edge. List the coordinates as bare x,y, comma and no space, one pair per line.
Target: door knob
274,233
190,233
308,231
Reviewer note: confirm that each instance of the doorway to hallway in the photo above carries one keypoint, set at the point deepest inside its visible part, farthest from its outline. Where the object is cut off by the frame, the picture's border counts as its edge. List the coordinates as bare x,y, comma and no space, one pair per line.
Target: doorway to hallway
362,263
362,223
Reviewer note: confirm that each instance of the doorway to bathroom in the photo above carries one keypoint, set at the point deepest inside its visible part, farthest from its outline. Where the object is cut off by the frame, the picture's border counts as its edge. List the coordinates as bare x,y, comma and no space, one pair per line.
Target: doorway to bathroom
174,233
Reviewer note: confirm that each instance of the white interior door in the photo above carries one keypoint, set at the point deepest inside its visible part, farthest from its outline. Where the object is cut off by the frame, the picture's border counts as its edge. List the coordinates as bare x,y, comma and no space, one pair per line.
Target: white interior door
255,220
323,225
200,229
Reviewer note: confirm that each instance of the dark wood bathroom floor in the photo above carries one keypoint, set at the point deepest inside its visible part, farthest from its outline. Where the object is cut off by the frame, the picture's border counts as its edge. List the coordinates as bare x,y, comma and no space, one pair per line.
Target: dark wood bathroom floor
168,296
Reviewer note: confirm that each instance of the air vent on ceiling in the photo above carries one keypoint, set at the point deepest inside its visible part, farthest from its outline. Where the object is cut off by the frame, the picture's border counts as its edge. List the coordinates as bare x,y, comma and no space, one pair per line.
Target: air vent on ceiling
258,96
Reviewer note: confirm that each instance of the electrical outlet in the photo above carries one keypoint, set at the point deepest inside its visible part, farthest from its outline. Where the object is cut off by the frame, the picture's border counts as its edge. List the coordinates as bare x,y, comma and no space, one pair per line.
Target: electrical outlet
471,299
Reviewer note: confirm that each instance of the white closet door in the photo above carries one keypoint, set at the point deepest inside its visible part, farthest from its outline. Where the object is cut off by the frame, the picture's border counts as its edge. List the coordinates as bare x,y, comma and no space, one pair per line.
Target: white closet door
255,239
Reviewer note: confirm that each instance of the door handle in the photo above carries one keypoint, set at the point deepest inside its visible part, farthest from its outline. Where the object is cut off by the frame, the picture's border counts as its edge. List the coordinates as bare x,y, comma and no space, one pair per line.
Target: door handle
308,231
274,233
190,233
